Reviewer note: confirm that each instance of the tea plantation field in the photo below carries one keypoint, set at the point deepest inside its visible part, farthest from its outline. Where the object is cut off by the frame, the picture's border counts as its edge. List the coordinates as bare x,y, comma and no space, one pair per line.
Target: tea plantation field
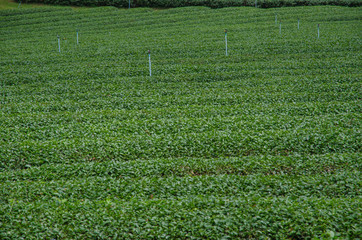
263,143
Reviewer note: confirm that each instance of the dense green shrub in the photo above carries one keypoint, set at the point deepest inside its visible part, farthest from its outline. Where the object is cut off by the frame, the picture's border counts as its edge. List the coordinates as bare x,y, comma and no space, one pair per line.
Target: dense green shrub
208,3
264,143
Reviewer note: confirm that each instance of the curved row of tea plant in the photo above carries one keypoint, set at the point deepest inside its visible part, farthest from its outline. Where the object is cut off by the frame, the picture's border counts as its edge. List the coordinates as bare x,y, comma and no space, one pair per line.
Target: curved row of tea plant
214,217
326,164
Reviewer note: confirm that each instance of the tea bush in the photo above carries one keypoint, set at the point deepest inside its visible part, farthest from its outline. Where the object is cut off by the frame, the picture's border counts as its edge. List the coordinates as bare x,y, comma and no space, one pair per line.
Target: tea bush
262,143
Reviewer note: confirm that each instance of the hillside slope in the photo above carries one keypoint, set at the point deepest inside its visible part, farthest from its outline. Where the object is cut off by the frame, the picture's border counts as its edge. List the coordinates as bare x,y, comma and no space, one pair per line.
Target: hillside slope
262,143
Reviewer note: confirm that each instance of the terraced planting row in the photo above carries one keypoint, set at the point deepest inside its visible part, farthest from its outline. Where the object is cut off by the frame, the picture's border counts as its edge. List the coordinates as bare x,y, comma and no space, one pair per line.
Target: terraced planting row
262,143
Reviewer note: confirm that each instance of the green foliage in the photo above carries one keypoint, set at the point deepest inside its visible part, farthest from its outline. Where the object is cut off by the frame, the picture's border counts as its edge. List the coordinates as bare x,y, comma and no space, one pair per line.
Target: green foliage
264,143
215,217
207,3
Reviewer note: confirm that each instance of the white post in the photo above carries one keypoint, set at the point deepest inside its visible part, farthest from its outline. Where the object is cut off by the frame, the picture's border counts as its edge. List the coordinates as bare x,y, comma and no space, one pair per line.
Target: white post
77,36
19,4
318,30
129,4
298,23
149,60
59,43
276,19
226,42
256,3
2,92
280,28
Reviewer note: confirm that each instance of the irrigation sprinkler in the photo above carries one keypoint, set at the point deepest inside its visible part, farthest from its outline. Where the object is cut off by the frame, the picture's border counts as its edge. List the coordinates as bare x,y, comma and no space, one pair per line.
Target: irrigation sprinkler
280,28
149,61
129,4
318,29
77,36
256,3
226,42
59,42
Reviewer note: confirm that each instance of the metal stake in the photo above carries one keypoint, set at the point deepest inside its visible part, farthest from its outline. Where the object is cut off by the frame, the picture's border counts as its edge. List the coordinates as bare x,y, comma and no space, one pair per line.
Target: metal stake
59,42
149,60
318,30
298,23
226,42
276,19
